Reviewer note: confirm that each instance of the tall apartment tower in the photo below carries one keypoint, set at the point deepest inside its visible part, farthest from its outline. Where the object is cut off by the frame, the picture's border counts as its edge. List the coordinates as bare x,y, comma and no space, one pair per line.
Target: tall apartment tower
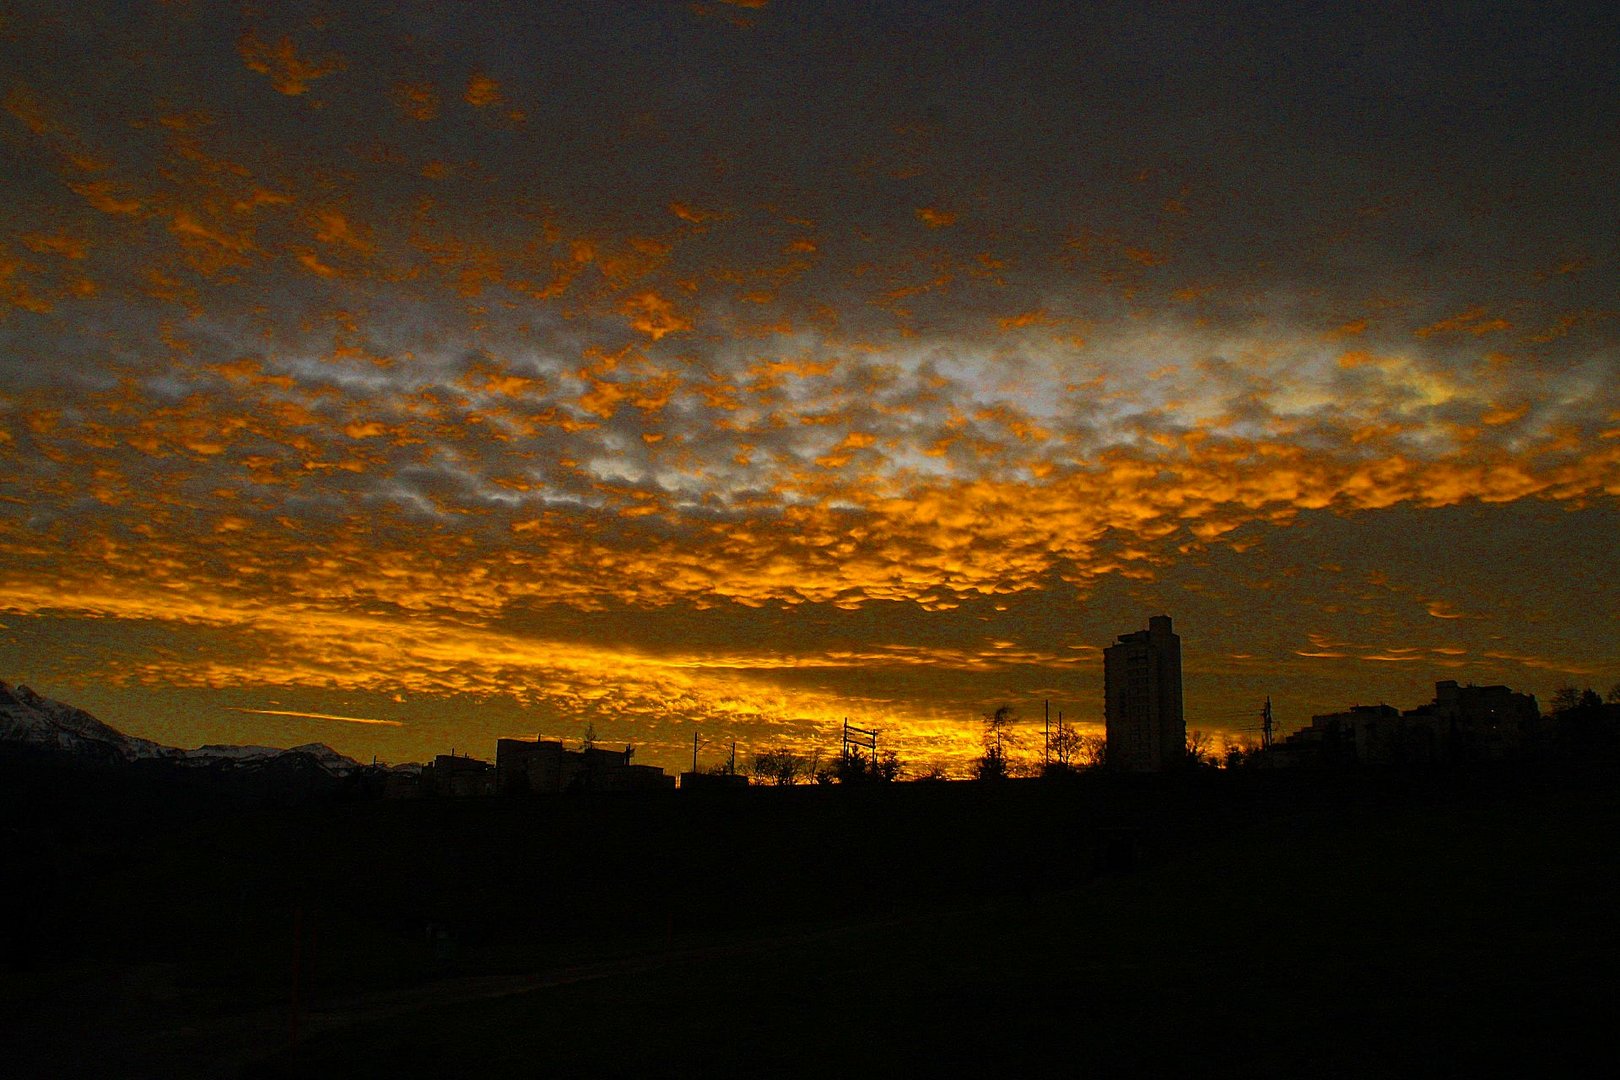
1142,699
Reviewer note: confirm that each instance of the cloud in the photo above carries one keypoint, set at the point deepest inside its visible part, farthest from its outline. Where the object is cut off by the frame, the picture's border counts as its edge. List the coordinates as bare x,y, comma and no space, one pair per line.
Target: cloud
1474,321
991,347
417,100
653,315
315,716
482,91
289,73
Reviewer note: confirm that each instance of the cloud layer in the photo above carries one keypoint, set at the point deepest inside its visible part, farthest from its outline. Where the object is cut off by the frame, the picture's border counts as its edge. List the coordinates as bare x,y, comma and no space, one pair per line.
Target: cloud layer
393,352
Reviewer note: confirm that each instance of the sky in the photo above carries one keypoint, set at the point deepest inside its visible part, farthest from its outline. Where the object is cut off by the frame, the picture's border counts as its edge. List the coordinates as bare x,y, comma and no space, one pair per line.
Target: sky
405,376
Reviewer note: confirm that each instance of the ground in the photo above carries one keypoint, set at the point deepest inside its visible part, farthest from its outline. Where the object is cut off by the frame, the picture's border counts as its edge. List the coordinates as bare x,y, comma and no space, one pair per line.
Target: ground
1436,926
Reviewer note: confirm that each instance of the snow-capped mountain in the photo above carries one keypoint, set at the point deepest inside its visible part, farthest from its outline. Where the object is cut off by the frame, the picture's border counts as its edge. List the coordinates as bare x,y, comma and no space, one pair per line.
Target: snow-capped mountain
328,758
33,720
221,752
28,718
216,754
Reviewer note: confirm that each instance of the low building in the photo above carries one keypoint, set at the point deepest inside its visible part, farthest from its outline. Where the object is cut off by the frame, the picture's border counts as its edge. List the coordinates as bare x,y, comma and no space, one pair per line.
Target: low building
403,782
1382,735
712,781
1335,738
1478,721
458,776
546,767
1462,722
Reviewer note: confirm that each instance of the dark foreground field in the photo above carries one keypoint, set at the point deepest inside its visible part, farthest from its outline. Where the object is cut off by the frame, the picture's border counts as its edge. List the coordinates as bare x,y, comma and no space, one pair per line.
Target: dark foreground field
1336,924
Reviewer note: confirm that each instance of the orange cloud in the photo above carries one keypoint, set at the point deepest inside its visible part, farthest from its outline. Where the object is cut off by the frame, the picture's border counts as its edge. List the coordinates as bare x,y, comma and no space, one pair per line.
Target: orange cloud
1144,257
104,196
1472,321
1036,317
1504,415
23,104
417,100
653,315
688,212
212,246
289,73
18,293
482,91
312,262
67,247
331,227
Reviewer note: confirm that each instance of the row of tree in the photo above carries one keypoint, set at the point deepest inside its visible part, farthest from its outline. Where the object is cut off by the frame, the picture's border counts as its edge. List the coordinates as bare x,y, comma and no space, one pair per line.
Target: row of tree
1068,750
1568,699
784,765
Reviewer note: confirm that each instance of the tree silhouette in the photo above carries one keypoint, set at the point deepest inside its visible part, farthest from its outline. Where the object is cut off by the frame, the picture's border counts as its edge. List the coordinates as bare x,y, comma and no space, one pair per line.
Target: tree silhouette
1565,698
1582,721
1200,749
856,768
998,740
1073,751
1242,755
1067,746
991,766
780,766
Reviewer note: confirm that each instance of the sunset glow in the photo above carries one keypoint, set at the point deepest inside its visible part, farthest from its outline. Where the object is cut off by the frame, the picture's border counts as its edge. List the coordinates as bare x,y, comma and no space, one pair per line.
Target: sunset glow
738,368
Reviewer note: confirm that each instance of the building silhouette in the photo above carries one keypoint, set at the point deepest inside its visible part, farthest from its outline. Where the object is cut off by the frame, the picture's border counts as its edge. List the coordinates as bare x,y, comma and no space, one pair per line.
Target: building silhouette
545,767
1147,731
456,775
712,781
1478,721
1359,733
1462,722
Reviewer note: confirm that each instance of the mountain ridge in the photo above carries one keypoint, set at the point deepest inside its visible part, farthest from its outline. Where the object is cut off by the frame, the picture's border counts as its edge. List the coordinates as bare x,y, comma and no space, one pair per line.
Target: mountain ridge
28,718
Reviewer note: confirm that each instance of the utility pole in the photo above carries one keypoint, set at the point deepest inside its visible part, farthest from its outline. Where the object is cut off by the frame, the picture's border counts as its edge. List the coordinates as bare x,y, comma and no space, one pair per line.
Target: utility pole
1265,725
1046,741
694,750
855,739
